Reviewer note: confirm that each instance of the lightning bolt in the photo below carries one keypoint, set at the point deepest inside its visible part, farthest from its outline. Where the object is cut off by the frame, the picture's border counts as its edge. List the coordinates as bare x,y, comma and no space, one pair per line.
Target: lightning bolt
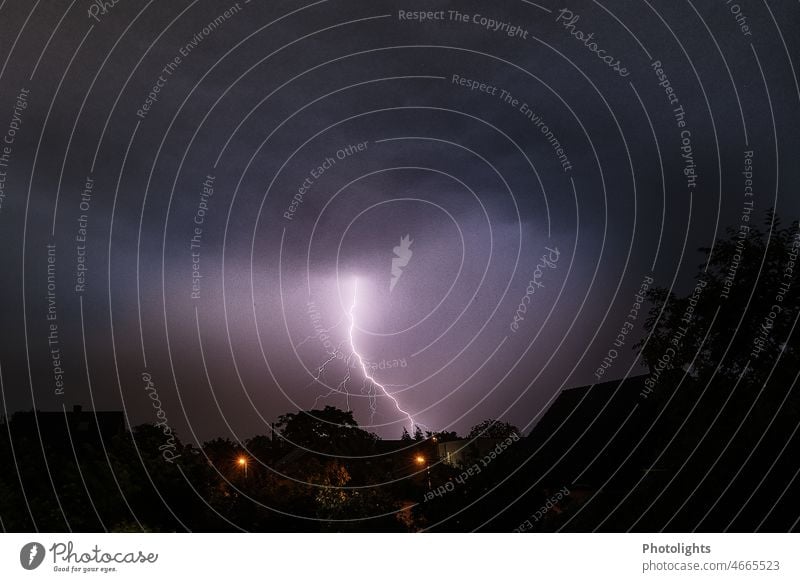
373,381
351,359
32,555
342,386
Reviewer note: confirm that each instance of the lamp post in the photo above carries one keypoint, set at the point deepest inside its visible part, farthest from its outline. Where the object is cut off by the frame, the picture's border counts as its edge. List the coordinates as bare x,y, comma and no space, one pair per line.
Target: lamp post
422,461
242,462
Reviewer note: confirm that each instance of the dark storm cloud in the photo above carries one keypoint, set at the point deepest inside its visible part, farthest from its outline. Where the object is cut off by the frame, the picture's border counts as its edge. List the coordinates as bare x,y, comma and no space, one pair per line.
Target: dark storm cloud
609,225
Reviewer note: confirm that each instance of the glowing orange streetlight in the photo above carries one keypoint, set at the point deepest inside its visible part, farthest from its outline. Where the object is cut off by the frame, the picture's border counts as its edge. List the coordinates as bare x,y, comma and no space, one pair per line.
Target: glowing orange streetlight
242,462
420,460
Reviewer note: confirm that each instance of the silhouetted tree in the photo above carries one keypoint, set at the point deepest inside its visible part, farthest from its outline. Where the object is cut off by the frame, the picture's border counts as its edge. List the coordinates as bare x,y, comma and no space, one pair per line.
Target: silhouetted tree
494,429
442,436
723,360
748,294
329,430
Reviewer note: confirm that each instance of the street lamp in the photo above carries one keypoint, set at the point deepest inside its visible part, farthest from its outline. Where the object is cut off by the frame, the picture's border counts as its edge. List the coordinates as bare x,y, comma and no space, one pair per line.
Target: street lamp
242,462
422,461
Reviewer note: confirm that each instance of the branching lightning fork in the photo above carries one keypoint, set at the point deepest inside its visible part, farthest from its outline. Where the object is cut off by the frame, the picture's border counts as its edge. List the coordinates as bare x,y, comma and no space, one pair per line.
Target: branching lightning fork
370,386
372,380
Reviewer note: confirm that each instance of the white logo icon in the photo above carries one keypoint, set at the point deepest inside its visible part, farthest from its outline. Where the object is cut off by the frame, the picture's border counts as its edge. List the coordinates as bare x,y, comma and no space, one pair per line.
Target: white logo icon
31,555
403,254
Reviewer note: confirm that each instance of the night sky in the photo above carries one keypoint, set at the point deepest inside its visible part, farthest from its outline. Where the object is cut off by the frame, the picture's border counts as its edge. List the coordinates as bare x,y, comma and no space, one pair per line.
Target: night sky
211,195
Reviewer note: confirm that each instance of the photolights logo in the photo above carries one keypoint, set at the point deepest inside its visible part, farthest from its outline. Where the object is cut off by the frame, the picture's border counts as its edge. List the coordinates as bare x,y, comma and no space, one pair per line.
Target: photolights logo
402,256
31,555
